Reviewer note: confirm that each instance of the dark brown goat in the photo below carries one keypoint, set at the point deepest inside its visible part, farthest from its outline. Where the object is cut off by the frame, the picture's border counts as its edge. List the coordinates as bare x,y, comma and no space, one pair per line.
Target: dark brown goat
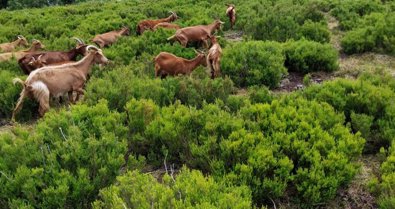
107,39
169,64
150,24
231,13
52,57
196,33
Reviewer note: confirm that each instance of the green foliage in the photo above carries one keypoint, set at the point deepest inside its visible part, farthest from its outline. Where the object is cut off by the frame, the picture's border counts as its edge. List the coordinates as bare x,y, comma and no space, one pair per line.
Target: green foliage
368,107
276,20
348,12
385,189
66,161
375,33
315,31
189,90
189,189
308,56
254,63
266,146
9,94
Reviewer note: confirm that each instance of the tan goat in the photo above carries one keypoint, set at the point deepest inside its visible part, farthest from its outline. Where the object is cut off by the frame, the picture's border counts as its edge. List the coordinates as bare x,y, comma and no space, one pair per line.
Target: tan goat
36,45
57,80
150,24
231,13
107,39
166,25
9,47
214,57
196,33
169,64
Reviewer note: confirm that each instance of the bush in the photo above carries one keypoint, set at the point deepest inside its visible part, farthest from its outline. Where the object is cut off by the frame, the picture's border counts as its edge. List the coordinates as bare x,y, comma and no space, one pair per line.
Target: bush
266,146
275,20
375,33
349,12
66,161
384,188
369,108
308,56
190,189
254,63
9,94
313,31
189,90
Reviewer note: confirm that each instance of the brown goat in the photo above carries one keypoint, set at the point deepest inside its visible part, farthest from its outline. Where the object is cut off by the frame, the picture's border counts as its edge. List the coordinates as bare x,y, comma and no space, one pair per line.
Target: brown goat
231,13
214,57
39,63
36,45
52,57
150,24
169,64
57,80
9,47
196,33
107,39
166,25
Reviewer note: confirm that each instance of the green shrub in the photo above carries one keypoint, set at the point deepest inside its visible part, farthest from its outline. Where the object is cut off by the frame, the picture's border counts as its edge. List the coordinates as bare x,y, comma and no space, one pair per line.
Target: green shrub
384,188
69,157
375,33
189,90
254,63
9,94
313,31
189,189
266,146
348,12
368,107
275,20
308,56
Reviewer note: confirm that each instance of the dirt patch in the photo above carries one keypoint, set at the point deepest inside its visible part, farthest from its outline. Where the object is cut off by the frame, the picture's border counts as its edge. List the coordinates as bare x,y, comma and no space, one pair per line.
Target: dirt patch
353,65
233,36
294,81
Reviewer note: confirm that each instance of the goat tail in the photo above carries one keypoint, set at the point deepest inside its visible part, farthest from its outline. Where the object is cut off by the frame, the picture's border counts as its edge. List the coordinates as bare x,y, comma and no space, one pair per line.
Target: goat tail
209,69
171,38
20,100
20,81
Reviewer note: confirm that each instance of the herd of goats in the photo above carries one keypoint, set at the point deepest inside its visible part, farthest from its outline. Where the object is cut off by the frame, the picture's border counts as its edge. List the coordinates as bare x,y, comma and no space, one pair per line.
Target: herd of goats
52,74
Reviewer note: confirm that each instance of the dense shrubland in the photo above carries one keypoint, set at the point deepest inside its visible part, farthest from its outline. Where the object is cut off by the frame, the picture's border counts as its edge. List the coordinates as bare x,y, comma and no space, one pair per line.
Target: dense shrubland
232,150
369,25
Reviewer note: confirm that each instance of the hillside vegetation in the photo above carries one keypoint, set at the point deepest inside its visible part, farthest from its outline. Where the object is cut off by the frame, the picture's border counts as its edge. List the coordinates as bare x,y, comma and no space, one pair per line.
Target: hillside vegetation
229,142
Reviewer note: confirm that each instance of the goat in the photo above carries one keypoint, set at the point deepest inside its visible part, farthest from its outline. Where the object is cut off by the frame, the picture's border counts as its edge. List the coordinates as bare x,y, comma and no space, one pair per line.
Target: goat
57,80
9,47
36,45
107,39
231,13
166,25
169,64
196,33
39,63
214,57
150,24
52,57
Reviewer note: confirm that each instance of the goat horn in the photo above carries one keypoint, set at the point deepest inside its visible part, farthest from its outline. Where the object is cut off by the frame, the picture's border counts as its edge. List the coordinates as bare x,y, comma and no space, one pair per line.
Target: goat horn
92,47
39,57
20,37
78,40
